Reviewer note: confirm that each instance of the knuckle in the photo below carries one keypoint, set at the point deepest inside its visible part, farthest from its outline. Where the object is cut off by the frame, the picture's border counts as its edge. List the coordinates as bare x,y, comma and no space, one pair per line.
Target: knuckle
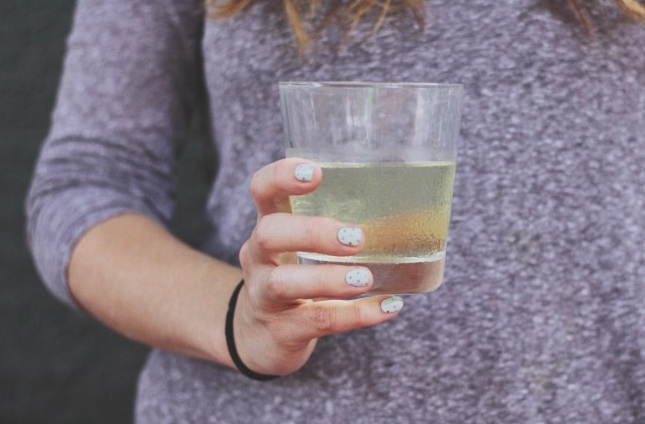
274,284
281,330
262,233
313,231
254,294
323,320
359,317
245,256
256,185
318,284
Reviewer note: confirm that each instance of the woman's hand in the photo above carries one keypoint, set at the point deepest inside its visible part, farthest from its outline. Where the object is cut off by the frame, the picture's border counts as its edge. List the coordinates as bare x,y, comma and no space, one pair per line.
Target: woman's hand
281,312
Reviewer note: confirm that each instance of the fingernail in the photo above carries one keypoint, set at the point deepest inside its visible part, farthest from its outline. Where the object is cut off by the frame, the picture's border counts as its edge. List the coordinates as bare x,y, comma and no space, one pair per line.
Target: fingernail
392,304
359,277
350,236
304,172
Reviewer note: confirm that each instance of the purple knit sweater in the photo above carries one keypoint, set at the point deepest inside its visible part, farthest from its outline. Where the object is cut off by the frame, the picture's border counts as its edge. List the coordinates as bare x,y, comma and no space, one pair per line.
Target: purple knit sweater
541,318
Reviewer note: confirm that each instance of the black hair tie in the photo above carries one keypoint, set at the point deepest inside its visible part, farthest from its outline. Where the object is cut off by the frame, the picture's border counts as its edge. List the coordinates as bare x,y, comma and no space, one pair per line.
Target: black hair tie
230,341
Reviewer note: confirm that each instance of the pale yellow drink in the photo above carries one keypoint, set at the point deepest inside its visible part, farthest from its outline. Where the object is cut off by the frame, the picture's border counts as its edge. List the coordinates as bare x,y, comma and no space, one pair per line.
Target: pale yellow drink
404,211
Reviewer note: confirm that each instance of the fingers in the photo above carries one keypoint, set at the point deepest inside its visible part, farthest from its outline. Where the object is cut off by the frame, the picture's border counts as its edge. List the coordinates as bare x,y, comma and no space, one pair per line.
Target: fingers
284,232
272,185
292,282
336,316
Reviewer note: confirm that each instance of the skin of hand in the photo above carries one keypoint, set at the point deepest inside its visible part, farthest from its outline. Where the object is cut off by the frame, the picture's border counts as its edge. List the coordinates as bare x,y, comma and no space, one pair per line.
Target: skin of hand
132,275
284,308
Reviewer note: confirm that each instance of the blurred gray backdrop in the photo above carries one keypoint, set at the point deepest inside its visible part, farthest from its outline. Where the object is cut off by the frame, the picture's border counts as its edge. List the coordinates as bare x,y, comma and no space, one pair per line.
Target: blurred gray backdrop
56,366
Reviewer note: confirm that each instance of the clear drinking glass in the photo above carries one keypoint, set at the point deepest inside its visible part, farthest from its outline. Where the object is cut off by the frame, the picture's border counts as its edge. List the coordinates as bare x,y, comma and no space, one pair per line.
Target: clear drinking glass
388,156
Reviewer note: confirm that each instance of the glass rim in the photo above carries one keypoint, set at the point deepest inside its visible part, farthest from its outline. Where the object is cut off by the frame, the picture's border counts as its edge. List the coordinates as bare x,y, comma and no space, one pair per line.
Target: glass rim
364,84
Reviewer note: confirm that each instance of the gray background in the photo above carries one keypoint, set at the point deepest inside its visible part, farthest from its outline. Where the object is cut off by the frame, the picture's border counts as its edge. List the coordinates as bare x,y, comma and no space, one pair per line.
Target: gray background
55,366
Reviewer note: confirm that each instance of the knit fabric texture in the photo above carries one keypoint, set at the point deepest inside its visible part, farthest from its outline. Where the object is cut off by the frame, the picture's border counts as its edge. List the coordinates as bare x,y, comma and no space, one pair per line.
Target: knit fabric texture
541,317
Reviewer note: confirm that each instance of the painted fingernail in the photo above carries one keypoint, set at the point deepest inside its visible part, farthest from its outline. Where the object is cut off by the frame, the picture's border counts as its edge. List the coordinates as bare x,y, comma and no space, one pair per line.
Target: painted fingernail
304,172
392,304
359,277
350,236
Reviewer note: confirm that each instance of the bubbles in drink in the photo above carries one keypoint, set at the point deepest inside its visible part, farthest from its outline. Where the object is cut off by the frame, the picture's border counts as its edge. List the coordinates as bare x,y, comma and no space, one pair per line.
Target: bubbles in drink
404,211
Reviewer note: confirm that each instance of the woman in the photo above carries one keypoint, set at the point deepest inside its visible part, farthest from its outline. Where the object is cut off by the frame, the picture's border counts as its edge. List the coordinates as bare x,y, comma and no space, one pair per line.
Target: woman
541,316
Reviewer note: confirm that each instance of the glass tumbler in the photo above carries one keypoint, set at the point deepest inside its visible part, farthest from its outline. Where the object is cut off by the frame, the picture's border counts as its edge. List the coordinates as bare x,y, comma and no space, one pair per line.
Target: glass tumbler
388,153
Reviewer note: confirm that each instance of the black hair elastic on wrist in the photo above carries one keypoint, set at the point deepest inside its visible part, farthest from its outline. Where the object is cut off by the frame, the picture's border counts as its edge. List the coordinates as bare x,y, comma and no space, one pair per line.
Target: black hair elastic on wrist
230,341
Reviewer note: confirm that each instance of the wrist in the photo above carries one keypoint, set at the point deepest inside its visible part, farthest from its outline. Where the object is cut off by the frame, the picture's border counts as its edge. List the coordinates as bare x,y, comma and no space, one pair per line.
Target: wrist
234,354
211,341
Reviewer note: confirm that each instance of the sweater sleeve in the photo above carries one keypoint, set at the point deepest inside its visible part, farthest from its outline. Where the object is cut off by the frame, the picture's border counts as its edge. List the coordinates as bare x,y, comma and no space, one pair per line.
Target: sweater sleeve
128,88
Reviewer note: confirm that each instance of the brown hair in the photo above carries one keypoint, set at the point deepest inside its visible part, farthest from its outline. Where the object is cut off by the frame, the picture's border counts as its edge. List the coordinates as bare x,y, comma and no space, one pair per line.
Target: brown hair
301,13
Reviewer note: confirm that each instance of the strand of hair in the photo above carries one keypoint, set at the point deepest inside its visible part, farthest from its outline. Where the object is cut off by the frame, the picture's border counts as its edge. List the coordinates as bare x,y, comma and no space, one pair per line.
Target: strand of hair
582,16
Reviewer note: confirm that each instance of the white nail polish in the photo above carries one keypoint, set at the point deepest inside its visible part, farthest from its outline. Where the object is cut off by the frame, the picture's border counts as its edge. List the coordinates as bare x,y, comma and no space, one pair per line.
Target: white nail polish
392,304
304,172
359,277
350,236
